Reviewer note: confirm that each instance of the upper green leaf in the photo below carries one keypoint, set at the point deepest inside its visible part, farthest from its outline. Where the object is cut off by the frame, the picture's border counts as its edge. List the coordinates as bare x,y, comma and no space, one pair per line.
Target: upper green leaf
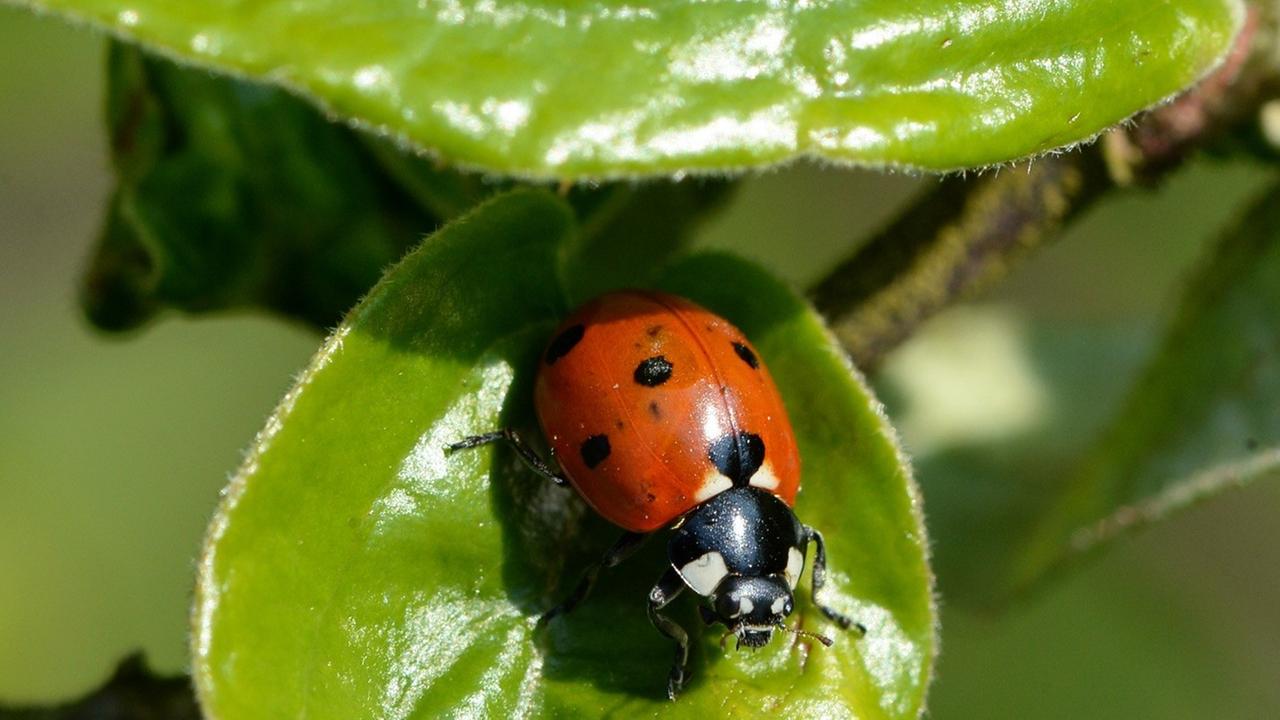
355,570
606,88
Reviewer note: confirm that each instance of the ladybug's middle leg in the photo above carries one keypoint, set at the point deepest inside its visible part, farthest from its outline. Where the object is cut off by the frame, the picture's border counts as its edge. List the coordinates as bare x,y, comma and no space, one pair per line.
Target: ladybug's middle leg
820,578
624,548
668,587
526,453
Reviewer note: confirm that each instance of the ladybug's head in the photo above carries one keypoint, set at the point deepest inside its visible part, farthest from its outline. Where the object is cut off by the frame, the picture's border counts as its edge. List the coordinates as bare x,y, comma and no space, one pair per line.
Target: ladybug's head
752,607
743,550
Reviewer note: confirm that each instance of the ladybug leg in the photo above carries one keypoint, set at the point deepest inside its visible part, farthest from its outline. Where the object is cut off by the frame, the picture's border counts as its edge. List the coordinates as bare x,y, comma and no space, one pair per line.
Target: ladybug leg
624,548
820,578
526,453
668,587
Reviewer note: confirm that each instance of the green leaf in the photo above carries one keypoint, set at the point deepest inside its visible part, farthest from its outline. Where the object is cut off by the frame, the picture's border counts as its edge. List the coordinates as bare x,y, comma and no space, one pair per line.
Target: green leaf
354,570
1203,418
569,90
231,194
625,229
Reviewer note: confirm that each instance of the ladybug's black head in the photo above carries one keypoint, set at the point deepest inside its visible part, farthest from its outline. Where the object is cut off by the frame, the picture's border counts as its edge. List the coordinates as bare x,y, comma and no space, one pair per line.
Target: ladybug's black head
743,550
751,607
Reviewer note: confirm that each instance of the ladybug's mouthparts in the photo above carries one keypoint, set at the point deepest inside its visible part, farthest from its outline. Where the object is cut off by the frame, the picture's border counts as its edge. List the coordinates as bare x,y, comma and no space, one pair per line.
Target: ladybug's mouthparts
757,636
754,637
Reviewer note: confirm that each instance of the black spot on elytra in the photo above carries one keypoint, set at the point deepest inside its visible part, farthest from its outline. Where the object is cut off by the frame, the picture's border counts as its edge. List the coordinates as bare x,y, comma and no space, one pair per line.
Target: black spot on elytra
618,424
737,456
564,342
594,450
747,356
655,410
653,371
653,331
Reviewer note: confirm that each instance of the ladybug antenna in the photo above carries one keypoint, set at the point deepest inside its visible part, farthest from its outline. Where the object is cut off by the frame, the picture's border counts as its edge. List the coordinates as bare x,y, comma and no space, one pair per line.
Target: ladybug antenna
806,634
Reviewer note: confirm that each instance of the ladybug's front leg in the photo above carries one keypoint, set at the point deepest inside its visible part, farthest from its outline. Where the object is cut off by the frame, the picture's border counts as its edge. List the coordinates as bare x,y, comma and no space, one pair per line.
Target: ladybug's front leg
525,452
820,578
668,587
624,548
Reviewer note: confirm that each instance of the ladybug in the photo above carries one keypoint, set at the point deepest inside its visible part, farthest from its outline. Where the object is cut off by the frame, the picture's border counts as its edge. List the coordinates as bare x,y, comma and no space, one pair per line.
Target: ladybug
662,415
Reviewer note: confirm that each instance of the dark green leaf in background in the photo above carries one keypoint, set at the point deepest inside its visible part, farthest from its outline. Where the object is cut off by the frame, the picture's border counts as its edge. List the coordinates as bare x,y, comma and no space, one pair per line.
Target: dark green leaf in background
133,692
606,88
354,569
234,195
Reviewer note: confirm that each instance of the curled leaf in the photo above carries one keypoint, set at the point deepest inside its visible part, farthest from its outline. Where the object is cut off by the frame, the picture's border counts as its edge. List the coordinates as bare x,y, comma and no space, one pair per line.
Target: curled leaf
232,195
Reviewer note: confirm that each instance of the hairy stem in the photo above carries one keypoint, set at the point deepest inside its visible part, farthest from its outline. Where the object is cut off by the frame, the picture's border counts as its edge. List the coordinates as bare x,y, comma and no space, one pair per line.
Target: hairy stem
955,240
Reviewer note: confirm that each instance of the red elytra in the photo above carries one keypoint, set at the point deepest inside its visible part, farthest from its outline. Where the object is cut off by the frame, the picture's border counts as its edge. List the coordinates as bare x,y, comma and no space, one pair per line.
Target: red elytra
653,404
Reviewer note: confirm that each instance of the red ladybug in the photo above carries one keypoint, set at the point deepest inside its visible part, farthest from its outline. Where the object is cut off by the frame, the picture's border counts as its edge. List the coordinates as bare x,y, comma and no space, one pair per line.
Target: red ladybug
661,414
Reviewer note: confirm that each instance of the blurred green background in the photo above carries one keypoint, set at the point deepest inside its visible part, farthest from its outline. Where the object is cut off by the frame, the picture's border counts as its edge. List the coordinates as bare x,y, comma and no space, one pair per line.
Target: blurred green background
113,450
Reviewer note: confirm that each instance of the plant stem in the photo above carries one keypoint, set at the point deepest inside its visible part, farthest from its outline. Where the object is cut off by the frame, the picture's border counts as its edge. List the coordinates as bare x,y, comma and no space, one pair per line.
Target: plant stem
957,239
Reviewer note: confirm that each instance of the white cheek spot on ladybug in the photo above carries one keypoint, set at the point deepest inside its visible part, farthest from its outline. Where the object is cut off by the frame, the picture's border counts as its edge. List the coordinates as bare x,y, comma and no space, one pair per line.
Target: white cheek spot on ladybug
713,483
733,598
795,566
764,478
779,604
744,605
704,574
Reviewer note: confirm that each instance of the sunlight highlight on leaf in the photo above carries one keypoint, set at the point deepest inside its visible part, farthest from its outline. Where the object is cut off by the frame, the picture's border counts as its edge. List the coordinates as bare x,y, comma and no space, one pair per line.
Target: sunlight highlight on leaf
605,88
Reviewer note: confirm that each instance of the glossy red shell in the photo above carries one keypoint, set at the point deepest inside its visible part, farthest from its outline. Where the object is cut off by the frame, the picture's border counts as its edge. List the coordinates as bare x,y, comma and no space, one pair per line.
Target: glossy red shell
681,399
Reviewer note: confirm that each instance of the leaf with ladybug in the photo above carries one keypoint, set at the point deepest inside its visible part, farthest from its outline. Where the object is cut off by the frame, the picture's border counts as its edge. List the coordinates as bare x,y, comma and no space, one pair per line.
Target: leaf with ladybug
355,569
